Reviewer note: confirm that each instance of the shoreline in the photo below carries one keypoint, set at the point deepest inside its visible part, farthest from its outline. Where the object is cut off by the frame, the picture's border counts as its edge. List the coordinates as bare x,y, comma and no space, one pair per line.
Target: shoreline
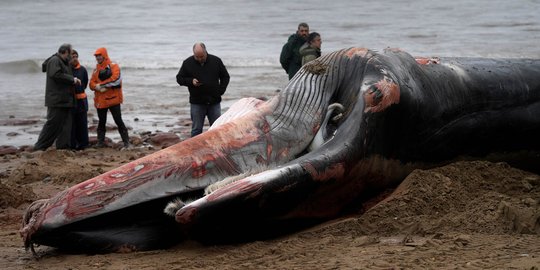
22,134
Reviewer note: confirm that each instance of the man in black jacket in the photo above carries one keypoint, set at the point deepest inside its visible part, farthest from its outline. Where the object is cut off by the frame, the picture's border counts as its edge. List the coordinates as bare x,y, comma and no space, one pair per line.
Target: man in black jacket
290,57
59,99
206,78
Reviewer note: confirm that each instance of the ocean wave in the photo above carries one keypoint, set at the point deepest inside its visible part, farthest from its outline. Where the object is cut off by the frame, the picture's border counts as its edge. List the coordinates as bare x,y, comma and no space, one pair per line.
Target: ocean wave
22,66
34,65
175,64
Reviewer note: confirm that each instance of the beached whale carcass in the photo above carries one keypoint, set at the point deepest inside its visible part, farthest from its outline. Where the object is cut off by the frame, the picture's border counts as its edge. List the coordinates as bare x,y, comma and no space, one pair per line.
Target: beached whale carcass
375,116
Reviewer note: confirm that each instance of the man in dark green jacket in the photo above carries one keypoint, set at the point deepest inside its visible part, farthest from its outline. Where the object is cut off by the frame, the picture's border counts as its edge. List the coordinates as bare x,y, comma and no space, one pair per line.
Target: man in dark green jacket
290,58
59,99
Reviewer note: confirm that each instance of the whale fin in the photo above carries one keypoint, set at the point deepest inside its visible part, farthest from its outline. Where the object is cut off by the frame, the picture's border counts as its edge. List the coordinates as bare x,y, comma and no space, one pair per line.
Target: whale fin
231,179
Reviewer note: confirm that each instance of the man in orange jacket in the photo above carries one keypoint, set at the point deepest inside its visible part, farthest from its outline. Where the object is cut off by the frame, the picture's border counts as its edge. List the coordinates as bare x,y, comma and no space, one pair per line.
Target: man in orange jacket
106,82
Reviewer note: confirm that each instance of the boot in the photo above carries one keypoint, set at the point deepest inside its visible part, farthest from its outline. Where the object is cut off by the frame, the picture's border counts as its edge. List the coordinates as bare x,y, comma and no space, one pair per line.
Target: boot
101,138
125,137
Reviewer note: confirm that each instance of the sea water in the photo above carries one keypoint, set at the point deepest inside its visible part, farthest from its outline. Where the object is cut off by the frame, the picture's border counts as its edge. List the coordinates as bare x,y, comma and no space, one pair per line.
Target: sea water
150,39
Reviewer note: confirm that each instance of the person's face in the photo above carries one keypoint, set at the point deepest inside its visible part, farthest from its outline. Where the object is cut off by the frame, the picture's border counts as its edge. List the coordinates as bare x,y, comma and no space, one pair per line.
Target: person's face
74,59
200,56
66,56
99,58
303,31
316,42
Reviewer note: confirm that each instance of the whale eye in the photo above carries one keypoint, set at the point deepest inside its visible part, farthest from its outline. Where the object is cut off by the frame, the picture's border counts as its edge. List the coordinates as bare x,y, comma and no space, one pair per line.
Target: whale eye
381,95
377,93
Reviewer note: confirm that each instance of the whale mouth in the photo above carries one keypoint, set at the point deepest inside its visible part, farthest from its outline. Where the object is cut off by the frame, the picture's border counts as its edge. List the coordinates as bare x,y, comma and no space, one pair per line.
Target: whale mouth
151,224
137,227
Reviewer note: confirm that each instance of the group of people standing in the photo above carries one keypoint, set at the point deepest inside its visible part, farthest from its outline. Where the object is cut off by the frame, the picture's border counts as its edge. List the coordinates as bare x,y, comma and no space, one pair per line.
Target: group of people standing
205,76
300,48
67,103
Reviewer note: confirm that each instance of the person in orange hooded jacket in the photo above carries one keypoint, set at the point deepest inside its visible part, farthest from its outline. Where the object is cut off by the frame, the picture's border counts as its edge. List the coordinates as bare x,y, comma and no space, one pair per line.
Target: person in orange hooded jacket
106,82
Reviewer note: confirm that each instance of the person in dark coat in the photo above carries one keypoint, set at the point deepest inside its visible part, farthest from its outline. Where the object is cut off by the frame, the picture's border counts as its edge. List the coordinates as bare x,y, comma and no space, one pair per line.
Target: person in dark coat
79,129
290,58
59,99
207,79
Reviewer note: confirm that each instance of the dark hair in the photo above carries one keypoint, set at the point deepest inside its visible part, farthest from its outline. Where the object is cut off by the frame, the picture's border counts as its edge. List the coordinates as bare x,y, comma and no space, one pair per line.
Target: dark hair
312,37
303,24
74,52
66,47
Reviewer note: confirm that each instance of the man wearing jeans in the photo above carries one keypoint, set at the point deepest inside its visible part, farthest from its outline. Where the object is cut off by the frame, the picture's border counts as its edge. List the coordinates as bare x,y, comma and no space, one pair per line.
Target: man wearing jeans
206,78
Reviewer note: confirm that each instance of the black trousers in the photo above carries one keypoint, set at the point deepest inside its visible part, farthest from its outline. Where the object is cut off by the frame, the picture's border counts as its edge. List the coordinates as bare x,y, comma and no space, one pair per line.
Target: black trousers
79,130
117,116
57,127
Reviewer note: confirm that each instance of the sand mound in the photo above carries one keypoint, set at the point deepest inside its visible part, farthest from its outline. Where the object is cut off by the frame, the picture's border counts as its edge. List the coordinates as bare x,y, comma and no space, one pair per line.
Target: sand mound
463,197
42,174
68,167
13,196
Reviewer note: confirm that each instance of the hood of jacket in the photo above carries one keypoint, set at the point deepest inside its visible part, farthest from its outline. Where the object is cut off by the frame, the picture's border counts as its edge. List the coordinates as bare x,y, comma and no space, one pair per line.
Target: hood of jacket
44,64
296,38
106,61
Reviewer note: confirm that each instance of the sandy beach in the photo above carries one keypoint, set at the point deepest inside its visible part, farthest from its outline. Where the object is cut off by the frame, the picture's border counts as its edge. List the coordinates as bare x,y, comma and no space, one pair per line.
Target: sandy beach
473,215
